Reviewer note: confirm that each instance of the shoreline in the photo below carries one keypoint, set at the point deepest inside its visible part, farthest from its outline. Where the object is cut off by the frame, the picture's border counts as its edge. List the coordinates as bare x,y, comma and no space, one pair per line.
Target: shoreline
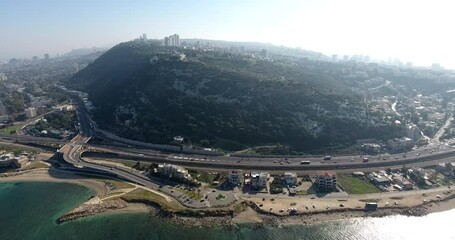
251,213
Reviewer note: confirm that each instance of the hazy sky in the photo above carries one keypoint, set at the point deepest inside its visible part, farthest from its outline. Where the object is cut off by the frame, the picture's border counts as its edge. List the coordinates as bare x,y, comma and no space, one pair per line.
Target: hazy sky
418,31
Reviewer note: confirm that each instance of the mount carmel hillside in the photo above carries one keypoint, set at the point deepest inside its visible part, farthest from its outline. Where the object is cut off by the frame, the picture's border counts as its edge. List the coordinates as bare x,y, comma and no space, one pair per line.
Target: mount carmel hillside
144,91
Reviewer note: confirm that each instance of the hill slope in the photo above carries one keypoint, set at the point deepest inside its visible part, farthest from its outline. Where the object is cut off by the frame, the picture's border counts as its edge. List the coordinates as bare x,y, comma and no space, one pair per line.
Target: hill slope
146,92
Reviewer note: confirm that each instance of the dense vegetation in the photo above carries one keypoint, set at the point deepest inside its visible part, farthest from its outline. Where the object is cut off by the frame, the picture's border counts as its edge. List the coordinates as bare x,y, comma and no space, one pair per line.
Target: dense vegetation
224,100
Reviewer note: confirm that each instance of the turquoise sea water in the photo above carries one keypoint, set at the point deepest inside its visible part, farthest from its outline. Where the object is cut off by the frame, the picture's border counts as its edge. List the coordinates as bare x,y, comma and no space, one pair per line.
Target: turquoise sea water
29,210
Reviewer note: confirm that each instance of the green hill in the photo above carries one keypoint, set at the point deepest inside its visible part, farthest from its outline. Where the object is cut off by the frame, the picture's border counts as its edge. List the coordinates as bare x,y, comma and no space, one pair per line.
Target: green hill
151,93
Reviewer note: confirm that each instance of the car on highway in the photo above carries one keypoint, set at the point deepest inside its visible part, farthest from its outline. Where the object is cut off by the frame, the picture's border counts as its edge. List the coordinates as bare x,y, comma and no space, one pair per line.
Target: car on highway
327,158
365,159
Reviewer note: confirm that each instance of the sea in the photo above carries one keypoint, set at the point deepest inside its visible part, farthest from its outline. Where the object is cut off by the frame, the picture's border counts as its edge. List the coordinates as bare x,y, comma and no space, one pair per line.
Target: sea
28,210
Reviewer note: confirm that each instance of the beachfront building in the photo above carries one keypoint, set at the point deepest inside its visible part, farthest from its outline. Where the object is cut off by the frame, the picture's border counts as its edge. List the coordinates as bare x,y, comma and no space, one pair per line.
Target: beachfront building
259,180
174,171
9,160
290,178
234,177
326,181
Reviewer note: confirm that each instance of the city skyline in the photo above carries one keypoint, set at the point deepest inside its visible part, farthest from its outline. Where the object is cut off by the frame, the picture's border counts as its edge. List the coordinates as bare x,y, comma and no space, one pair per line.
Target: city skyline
380,30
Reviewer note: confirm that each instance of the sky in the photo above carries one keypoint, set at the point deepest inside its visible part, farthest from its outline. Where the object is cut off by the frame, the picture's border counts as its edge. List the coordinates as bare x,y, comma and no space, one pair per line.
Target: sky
421,32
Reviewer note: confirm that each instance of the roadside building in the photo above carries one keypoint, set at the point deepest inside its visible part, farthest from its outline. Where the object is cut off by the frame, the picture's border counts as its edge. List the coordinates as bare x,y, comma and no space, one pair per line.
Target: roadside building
446,169
259,180
371,147
30,112
403,183
290,178
326,181
358,174
400,144
178,139
234,177
381,181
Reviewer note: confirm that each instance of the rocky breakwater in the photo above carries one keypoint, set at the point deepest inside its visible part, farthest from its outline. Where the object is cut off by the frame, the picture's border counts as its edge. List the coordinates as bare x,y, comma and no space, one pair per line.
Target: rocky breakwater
92,207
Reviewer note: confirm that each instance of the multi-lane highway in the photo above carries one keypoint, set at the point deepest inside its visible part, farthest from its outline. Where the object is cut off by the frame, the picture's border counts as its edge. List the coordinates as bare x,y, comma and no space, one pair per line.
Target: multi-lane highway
315,163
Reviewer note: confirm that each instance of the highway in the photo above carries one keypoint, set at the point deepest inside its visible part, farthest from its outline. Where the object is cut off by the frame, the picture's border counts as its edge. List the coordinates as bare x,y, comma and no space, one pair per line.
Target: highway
316,163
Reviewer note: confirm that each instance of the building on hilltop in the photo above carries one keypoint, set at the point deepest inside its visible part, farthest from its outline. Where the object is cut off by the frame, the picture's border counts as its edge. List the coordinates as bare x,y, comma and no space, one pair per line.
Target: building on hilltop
3,77
172,41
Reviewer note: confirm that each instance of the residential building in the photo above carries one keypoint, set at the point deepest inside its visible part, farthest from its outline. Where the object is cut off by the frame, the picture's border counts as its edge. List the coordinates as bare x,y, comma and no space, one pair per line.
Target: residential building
413,132
30,112
326,181
234,177
290,178
259,180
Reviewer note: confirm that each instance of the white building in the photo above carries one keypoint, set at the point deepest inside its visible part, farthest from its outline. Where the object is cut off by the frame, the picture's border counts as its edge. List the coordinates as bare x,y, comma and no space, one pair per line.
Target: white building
9,160
290,178
326,181
400,144
178,139
234,177
30,112
174,171
413,132
259,179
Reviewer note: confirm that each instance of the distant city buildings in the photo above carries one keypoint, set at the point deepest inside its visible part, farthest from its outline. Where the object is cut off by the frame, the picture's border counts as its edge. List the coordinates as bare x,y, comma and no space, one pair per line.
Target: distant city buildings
172,41
264,54
436,67
46,56
3,77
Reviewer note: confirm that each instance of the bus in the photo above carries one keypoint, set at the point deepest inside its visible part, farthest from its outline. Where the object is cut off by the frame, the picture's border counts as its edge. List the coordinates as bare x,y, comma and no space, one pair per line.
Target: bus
305,162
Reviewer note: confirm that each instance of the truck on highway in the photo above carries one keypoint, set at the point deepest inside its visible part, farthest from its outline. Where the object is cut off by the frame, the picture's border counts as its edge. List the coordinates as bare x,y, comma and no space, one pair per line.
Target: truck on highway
305,162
